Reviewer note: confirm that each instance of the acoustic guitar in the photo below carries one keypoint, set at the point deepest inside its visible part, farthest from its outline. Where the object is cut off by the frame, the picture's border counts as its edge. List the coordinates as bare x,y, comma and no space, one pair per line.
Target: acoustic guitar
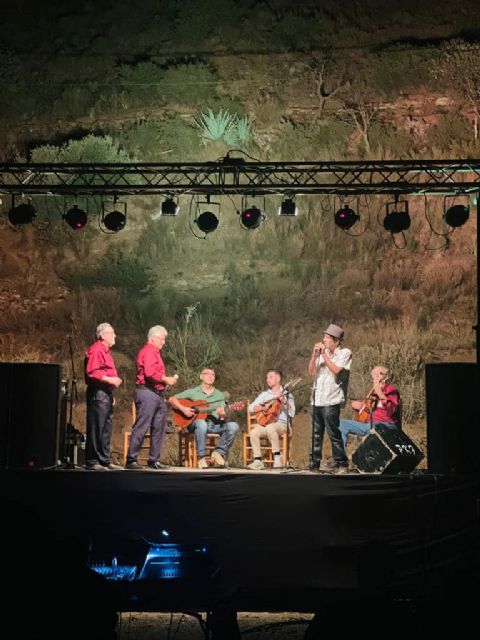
368,407
201,408
272,408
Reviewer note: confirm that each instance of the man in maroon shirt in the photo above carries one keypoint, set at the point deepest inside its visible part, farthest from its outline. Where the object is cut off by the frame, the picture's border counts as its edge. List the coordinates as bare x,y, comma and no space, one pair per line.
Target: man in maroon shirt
386,412
151,411
101,379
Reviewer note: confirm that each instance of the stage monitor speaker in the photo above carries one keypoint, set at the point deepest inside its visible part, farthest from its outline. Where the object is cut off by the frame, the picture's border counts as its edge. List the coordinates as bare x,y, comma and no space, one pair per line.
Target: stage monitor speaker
387,450
29,414
453,417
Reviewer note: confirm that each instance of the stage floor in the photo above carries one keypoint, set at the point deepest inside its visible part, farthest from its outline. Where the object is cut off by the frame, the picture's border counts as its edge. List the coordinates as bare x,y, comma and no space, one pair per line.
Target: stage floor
269,540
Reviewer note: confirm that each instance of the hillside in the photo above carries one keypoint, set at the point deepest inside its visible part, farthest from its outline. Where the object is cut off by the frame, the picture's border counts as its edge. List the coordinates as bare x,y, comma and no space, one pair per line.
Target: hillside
316,82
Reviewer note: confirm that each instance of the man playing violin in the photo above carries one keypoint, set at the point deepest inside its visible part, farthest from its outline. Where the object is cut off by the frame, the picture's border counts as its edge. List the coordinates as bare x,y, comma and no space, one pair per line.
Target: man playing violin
383,399
215,422
278,404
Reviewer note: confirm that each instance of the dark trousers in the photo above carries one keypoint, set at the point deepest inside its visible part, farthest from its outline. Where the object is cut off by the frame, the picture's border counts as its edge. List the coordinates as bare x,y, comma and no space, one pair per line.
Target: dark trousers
151,414
328,417
99,426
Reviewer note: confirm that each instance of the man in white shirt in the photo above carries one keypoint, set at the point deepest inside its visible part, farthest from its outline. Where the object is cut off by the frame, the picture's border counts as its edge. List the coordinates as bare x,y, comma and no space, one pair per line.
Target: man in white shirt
330,366
279,424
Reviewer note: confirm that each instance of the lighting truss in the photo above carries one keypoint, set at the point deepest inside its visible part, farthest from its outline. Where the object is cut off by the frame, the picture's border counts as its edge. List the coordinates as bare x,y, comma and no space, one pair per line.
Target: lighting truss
236,176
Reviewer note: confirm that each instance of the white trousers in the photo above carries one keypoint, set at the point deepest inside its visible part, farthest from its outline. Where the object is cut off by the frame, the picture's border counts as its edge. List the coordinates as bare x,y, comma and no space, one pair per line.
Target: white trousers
272,431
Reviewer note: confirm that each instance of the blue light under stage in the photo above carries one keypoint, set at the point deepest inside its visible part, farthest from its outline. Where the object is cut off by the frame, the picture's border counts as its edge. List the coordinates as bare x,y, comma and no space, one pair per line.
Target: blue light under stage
184,540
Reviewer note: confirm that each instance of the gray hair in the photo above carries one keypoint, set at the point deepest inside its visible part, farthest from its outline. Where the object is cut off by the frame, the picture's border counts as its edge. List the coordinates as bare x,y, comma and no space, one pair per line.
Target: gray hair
157,330
102,327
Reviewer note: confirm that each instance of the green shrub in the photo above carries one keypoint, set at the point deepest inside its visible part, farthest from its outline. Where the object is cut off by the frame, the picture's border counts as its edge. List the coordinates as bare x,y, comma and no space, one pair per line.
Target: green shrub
141,84
189,84
167,140
124,272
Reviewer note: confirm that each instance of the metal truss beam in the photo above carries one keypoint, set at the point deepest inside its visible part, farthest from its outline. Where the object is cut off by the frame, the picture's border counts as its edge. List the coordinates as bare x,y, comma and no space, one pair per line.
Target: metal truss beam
235,176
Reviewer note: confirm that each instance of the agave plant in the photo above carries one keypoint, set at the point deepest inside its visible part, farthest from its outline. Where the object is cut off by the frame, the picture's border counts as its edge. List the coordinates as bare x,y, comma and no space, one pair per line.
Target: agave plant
244,129
217,126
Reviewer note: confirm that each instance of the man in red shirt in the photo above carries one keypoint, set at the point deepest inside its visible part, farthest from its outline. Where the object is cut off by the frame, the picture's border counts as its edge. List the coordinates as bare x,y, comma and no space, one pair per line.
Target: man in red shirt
101,379
151,411
386,412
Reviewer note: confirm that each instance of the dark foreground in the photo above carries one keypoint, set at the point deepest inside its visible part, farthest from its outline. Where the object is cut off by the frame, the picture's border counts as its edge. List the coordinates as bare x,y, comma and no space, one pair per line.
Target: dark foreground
381,554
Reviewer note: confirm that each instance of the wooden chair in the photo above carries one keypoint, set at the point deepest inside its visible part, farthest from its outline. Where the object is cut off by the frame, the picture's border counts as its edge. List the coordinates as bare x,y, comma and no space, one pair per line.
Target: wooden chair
187,448
247,451
126,441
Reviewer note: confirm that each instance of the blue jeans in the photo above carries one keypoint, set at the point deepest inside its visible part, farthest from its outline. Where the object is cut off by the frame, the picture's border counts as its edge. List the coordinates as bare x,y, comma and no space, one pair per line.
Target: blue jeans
359,428
226,430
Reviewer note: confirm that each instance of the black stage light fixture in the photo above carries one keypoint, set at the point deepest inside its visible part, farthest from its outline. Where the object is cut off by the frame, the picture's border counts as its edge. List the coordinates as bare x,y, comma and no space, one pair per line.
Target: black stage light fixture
288,208
251,218
24,213
397,218
345,218
75,218
206,222
457,215
170,207
115,221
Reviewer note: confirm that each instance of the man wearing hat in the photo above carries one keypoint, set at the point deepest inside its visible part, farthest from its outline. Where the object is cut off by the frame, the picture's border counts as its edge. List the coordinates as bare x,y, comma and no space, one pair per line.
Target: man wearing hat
330,365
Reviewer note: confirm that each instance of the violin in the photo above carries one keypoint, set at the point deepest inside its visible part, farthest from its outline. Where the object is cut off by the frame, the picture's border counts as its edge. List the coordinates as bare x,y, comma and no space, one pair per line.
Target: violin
368,407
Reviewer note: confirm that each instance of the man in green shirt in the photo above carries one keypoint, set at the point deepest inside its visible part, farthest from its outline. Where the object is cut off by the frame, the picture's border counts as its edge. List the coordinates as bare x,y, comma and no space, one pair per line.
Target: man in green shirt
215,422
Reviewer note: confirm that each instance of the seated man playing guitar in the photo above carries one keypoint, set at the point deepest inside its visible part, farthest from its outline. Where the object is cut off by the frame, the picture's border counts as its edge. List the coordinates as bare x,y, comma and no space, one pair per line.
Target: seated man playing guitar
208,403
271,409
381,406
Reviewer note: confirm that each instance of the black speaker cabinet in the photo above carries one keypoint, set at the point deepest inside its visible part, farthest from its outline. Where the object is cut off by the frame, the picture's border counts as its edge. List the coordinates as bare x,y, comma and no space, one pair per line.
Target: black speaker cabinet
453,417
29,414
387,450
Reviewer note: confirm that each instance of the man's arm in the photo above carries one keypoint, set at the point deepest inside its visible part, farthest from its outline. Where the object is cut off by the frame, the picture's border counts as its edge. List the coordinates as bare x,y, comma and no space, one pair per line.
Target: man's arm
256,404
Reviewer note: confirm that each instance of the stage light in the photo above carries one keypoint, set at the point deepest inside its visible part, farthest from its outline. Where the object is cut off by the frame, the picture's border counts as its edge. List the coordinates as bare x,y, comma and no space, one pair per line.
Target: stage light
457,215
170,207
206,222
24,213
288,208
345,218
165,533
397,220
115,221
75,217
252,218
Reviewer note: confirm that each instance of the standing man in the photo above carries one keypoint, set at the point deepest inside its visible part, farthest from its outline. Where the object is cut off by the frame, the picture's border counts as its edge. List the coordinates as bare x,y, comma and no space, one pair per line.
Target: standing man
101,379
386,410
215,422
278,426
151,410
330,366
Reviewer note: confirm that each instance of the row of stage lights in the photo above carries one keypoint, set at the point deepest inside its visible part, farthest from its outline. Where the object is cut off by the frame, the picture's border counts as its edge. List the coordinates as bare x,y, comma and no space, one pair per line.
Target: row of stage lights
76,218
397,217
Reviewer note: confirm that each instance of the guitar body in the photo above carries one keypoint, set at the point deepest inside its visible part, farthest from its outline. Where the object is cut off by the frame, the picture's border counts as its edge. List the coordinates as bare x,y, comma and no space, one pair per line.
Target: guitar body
363,415
269,413
181,421
369,405
202,411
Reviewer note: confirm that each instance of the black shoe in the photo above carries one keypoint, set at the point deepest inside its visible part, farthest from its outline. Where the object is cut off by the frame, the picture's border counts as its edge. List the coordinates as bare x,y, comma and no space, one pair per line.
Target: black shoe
134,466
157,465
96,467
112,466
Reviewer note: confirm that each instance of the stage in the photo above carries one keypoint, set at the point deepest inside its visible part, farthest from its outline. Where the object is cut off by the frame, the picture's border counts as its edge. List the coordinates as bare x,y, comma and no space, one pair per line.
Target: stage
267,540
